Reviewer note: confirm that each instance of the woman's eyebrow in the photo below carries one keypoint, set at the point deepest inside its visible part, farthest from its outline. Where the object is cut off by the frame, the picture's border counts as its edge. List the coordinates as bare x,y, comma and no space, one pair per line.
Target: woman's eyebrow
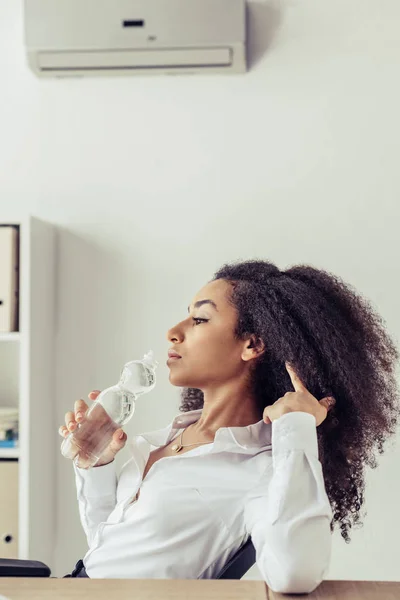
201,302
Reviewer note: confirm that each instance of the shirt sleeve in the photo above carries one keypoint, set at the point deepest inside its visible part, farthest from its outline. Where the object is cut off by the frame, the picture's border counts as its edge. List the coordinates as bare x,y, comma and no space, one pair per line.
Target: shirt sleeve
288,513
96,492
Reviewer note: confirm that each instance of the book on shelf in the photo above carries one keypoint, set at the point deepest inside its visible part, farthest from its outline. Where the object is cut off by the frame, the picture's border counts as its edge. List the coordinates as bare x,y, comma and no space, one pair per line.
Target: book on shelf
9,427
9,278
9,444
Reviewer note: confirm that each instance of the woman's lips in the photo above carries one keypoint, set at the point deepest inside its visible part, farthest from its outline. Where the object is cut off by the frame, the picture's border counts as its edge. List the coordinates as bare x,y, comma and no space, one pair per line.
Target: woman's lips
173,359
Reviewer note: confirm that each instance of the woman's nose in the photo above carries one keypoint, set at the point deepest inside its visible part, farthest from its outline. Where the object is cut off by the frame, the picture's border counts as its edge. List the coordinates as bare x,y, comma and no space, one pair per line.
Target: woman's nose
173,335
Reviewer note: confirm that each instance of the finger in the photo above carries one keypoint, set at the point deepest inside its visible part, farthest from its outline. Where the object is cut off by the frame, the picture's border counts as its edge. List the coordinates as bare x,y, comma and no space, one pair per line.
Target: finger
266,418
117,443
80,408
328,402
63,431
93,395
295,379
70,420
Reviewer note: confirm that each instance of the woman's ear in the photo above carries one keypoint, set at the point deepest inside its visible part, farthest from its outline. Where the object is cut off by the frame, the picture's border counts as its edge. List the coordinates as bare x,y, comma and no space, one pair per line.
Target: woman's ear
253,348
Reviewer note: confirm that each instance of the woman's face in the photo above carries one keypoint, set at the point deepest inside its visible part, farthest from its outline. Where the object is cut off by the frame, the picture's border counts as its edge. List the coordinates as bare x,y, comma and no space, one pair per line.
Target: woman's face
210,353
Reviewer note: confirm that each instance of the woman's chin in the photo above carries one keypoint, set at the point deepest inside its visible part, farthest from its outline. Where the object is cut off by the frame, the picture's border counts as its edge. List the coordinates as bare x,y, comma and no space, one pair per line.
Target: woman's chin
179,380
176,380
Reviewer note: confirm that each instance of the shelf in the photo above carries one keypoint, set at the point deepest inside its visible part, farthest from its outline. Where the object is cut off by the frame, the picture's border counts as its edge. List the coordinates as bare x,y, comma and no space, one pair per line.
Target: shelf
10,337
27,380
9,453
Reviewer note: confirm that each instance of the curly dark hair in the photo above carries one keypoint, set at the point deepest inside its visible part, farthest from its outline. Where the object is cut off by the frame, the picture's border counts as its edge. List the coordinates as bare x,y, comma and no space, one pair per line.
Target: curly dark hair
339,347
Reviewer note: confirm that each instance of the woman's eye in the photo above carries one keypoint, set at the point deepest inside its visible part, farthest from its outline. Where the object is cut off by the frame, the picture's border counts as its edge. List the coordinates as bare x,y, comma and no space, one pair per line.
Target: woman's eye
198,321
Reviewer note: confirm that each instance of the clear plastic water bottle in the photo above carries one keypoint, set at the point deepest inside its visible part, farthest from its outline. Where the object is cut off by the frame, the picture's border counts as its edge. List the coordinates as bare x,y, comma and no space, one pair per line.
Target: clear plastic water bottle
112,408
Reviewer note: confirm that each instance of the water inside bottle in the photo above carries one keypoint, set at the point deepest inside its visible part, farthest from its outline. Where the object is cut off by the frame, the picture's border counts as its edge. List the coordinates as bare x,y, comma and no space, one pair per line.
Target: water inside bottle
93,436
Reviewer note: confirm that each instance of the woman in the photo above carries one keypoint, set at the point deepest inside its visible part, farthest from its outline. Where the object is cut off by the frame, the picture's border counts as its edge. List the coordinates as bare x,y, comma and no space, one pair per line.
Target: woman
289,390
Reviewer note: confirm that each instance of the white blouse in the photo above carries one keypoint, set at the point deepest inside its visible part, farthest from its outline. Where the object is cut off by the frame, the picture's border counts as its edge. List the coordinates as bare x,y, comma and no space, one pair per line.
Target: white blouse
196,509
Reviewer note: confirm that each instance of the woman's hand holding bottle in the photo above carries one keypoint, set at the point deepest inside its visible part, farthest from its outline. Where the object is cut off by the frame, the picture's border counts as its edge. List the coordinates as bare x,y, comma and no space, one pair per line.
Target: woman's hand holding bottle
92,437
100,420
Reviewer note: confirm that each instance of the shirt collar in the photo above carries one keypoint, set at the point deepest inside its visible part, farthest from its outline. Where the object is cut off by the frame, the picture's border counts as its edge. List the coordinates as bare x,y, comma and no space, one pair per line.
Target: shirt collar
251,439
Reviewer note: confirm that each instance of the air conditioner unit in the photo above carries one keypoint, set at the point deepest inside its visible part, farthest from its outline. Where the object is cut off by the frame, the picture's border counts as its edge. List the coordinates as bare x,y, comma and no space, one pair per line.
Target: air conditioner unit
92,37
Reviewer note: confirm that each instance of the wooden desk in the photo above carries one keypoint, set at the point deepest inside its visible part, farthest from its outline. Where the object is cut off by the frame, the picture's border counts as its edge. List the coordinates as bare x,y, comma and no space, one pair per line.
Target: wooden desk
347,590
21,588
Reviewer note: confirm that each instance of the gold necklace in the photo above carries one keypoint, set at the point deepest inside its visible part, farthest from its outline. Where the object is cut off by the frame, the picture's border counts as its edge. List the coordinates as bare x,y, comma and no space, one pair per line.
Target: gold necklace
178,447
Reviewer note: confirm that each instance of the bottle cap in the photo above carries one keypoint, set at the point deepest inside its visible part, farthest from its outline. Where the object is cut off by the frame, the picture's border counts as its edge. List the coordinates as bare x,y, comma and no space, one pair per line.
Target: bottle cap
149,359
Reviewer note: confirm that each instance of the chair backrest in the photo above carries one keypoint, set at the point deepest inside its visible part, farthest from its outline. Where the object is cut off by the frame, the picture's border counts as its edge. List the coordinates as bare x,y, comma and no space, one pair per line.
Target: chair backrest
13,567
236,568
240,563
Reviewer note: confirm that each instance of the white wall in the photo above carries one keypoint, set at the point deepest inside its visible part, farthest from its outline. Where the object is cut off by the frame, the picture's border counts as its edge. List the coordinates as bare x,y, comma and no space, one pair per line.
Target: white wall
154,182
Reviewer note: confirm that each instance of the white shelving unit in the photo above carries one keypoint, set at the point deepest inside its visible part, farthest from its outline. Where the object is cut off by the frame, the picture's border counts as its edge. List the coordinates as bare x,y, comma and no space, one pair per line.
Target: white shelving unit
9,453
10,337
27,381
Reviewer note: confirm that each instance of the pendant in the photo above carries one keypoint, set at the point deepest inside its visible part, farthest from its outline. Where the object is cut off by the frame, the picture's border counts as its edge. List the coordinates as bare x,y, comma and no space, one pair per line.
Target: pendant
176,447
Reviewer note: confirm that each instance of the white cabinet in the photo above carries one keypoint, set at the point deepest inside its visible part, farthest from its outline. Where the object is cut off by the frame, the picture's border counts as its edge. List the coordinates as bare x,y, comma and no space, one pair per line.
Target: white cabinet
28,485
9,508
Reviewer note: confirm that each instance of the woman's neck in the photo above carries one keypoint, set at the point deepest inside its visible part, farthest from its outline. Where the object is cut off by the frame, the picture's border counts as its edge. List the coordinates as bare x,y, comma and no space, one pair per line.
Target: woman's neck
226,409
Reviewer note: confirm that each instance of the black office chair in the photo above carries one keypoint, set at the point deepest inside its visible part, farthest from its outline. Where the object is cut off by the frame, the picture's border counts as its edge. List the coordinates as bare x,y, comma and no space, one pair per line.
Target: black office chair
238,566
240,563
